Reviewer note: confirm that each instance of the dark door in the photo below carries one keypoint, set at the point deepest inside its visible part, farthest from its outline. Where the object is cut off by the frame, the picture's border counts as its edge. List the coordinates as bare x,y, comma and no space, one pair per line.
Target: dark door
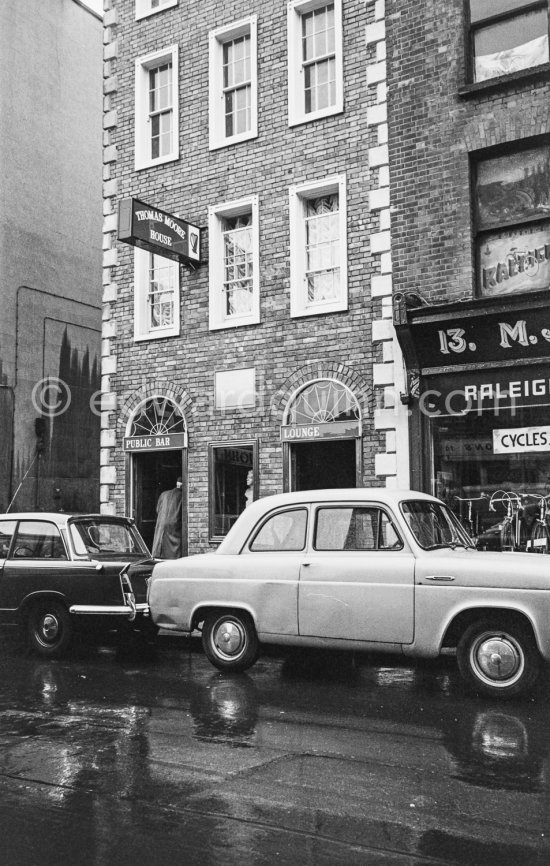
320,465
154,472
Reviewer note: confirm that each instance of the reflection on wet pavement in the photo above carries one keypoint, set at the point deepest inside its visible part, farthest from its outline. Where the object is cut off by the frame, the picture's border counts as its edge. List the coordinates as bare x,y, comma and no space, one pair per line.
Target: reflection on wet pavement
309,758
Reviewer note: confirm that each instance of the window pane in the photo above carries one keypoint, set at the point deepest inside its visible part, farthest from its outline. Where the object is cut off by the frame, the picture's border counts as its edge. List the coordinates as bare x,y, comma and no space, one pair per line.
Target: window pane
355,528
346,529
38,540
103,537
283,531
482,9
509,46
7,528
236,62
389,539
238,265
162,288
322,248
323,402
318,32
160,87
514,187
431,524
233,484
236,73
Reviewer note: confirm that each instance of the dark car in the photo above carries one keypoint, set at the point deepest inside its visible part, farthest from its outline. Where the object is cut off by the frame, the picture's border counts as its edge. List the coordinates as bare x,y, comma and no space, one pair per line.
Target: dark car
62,573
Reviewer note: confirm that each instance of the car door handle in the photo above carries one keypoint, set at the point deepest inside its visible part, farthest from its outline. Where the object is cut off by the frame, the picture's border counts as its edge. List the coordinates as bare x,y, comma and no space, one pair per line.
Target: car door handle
306,563
444,578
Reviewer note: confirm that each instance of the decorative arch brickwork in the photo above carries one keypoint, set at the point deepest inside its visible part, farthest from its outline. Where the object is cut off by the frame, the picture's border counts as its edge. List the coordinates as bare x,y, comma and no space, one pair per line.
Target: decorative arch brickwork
154,388
319,370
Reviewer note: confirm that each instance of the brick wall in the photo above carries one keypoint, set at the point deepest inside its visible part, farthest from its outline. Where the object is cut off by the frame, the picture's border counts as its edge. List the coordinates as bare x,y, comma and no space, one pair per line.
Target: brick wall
432,132
285,352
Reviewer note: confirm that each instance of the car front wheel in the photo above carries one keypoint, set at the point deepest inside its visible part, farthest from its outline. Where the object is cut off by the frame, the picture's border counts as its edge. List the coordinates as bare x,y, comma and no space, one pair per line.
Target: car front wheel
498,659
229,640
50,629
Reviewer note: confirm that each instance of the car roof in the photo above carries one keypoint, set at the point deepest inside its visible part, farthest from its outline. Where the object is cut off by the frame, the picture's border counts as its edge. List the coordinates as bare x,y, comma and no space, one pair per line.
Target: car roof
59,517
238,534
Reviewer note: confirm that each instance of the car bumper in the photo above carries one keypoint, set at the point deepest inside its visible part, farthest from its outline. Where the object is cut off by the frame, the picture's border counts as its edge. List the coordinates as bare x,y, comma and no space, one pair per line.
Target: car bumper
129,610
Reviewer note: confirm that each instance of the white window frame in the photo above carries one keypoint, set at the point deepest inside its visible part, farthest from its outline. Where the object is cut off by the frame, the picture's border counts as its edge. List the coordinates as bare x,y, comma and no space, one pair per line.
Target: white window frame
141,119
296,86
217,317
216,96
142,327
298,195
144,8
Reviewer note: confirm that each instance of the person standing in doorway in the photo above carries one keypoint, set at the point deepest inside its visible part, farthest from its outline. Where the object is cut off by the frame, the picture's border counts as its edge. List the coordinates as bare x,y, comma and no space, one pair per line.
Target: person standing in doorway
167,540
249,492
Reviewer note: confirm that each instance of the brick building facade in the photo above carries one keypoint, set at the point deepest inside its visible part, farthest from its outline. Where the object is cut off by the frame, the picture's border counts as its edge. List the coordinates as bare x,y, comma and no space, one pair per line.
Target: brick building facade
468,108
276,354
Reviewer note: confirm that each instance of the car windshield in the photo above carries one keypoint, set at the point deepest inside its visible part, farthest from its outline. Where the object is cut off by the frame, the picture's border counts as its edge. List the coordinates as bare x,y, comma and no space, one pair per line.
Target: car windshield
99,538
434,525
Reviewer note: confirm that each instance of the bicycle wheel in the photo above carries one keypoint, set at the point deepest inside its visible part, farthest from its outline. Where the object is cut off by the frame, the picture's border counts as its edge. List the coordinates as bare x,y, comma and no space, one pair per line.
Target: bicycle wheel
540,537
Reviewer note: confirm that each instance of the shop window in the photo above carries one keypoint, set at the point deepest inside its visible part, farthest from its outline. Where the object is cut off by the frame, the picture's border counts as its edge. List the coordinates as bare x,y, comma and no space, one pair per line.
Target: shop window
512,208
284,531
234,264
355,529
149,7
507,36
479,456
156,296
156,108
314,60
233,475
233,83
318,245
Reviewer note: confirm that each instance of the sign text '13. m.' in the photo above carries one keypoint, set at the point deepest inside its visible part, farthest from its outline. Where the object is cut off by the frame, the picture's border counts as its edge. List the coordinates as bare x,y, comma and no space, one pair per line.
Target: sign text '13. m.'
151,229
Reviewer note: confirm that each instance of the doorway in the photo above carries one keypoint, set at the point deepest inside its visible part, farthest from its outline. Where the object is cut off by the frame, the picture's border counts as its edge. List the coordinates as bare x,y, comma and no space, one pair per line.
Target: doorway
152,473
318,465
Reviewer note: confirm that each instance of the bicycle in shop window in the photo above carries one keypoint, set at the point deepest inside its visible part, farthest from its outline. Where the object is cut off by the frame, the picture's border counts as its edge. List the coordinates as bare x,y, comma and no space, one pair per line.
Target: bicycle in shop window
470,520
525,525
540,531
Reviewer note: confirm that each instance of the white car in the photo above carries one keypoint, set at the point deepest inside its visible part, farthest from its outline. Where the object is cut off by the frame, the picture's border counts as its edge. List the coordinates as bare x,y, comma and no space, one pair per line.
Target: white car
365,569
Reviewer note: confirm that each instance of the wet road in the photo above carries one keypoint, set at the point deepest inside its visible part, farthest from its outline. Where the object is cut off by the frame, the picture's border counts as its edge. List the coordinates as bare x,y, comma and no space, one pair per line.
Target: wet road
317,759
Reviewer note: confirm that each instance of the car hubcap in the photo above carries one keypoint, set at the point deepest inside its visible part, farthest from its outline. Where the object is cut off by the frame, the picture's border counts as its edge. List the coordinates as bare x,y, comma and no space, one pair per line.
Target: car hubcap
498,658
229,638
50,628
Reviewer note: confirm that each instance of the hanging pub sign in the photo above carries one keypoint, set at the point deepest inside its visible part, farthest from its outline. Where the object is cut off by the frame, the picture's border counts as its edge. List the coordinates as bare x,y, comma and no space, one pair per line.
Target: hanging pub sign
149,228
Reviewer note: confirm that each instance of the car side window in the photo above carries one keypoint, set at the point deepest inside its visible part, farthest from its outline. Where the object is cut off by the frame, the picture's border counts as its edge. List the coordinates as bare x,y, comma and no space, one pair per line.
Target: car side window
285,530
355,528
38,539
7,528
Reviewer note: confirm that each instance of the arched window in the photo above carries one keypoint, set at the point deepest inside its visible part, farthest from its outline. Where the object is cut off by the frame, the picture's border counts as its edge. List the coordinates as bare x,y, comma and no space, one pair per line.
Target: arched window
323,401
158,416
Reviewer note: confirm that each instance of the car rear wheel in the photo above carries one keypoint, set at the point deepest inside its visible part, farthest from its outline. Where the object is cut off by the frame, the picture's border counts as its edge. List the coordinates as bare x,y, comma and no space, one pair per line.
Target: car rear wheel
229,640
50,629
499,659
